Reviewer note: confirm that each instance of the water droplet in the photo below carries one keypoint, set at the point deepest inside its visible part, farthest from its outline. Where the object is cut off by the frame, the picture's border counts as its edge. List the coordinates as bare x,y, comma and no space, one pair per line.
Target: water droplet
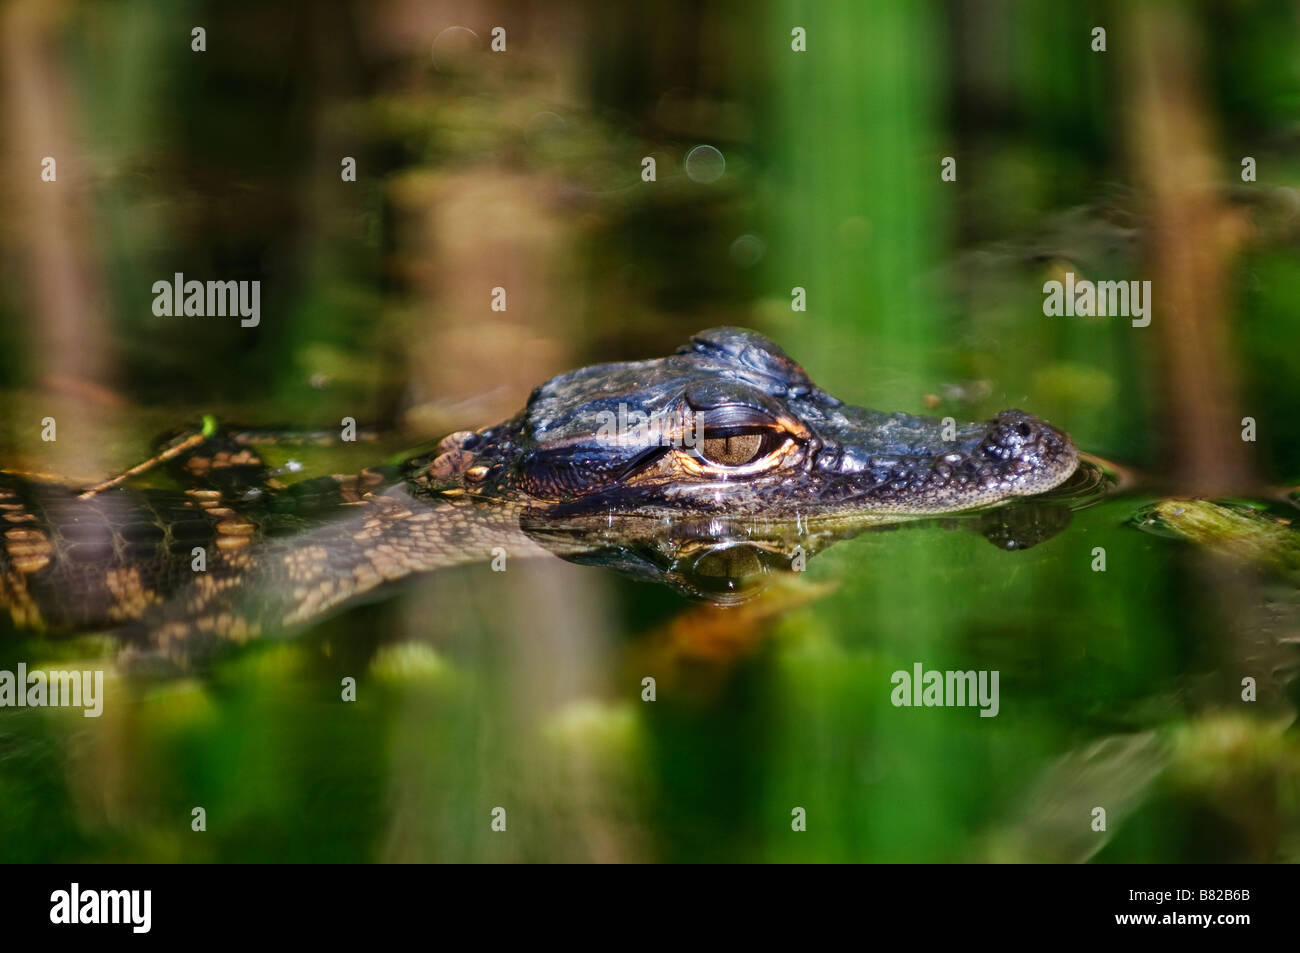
453,45
543,125
748,250
705,164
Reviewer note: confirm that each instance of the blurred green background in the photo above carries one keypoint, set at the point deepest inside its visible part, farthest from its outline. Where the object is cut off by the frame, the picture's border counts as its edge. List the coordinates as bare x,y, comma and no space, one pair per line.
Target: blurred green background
523,169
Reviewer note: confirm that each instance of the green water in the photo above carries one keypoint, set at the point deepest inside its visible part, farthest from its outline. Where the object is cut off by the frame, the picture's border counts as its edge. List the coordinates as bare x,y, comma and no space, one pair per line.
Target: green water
1119,688
523,690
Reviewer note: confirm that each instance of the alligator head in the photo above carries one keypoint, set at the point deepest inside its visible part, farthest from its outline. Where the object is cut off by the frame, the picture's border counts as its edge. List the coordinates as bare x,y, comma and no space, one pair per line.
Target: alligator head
708,470
730,426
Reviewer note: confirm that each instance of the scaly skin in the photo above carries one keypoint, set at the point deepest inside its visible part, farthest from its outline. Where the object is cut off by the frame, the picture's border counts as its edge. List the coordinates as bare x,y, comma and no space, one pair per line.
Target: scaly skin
774,460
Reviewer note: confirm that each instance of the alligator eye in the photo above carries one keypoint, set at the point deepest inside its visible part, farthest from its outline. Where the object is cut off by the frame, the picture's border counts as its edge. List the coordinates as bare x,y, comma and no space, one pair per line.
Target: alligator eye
737,448
732,451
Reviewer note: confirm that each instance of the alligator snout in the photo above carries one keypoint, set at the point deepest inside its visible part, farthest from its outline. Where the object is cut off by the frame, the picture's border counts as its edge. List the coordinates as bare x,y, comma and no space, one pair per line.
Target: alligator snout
904,464
1023,455
1018,436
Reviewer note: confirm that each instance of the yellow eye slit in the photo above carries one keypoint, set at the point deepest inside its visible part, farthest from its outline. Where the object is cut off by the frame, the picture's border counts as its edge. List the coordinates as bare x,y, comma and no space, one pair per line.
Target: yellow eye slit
733,450
740,449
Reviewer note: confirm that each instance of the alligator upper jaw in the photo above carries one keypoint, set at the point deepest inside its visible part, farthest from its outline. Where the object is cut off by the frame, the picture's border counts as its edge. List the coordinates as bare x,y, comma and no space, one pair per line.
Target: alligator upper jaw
913,466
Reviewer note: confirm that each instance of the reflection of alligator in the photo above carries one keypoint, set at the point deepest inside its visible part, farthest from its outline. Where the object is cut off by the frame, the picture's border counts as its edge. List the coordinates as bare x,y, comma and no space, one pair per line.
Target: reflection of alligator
727,560
775,463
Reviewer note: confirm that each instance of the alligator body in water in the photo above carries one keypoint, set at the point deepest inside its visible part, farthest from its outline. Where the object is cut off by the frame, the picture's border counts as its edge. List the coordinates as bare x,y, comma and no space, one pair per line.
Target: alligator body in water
745,449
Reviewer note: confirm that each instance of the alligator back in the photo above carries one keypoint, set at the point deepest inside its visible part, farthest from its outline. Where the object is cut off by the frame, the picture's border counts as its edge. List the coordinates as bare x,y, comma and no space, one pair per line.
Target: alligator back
76,564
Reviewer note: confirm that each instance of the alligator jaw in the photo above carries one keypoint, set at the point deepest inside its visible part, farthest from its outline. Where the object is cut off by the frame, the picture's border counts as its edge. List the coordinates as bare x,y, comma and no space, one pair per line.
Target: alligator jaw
917,466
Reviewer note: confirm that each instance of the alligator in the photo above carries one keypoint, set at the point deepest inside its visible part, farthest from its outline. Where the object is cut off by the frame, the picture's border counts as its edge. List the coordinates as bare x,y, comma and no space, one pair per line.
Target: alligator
745,449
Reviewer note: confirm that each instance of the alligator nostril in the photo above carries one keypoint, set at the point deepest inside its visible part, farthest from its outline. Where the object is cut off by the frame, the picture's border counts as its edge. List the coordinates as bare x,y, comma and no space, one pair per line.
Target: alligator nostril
1024,430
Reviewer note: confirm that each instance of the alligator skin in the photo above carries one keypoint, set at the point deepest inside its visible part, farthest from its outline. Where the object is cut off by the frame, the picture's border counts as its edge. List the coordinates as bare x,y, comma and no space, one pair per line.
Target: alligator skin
746,449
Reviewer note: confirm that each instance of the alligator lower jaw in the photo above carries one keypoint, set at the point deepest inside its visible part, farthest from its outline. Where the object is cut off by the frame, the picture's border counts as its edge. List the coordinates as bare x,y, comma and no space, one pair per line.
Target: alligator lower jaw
739,522
724,504
952,500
